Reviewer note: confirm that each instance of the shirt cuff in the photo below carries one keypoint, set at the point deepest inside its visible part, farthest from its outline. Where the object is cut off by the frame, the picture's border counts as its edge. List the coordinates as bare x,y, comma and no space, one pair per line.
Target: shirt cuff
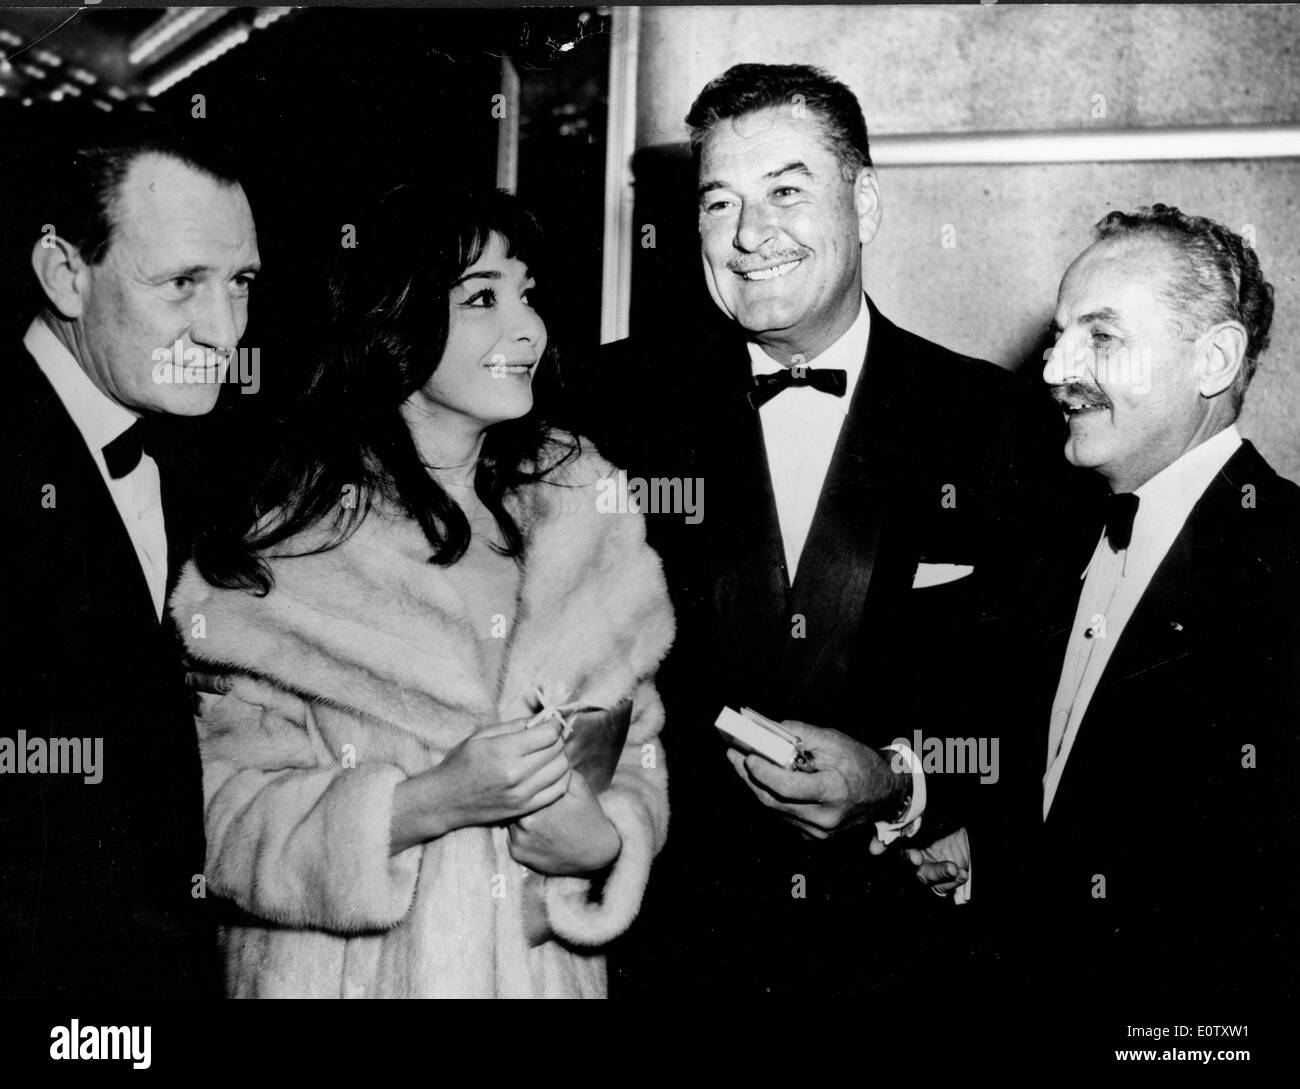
910,822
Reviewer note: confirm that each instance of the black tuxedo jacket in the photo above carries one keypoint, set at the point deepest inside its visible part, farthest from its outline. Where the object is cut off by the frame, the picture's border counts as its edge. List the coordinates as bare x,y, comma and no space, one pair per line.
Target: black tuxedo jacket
1180,800
941,460
96,880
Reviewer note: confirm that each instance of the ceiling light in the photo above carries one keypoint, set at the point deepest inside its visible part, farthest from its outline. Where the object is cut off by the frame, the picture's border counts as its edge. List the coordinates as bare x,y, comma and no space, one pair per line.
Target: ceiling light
168,27
267,16
224,44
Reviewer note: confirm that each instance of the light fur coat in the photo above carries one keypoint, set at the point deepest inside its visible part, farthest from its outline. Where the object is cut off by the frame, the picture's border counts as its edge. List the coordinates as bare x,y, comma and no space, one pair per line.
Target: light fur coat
360,669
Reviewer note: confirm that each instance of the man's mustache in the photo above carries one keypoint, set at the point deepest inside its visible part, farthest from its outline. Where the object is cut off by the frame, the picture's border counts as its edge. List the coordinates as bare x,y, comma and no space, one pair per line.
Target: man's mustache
742,265
1079,395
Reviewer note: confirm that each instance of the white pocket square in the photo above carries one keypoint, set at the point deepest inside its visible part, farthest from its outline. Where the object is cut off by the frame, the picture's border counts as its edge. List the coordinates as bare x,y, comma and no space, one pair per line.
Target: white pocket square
936,574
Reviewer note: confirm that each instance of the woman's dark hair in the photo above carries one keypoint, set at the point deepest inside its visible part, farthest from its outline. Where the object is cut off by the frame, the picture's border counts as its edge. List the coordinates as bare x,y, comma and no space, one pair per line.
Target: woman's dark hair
347,444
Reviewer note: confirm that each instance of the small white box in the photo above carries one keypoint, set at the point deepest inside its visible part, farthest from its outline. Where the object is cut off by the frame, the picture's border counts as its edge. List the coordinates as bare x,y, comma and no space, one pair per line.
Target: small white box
751,735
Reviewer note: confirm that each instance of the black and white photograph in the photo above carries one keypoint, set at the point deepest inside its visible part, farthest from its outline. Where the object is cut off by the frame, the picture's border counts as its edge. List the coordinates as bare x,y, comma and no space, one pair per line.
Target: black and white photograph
784,513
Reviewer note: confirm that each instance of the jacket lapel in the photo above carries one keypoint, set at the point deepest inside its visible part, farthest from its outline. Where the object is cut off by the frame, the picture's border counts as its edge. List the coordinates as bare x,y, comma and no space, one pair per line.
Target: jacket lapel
1160,626
1169,617
839,557
178,448
1158,633
60,455
746,555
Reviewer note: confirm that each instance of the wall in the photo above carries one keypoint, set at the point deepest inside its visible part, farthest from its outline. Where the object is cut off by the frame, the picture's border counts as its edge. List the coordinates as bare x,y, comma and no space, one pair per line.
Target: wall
972,69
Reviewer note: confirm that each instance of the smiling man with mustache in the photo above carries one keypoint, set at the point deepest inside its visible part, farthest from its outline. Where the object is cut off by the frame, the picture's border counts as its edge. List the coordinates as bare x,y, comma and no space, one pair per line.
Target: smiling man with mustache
869,491
1158,830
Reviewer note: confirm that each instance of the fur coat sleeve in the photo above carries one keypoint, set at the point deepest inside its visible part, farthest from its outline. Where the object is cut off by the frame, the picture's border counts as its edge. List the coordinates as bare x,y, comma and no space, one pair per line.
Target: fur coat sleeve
295,835
360,669
636,801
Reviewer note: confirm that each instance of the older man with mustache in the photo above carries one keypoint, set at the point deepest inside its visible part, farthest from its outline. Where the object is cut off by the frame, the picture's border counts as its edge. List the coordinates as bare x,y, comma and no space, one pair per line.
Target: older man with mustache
1159,827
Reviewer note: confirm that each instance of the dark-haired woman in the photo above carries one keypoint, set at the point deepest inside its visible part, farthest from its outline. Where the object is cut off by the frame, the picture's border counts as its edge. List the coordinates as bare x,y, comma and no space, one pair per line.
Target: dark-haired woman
427,568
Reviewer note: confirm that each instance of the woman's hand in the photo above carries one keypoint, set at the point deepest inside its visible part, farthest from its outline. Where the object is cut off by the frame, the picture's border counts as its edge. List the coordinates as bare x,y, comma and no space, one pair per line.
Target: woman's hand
500,773
570,836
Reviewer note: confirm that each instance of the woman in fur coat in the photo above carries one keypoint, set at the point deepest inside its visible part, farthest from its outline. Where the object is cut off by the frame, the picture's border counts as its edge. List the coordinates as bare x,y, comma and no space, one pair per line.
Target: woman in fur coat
428,599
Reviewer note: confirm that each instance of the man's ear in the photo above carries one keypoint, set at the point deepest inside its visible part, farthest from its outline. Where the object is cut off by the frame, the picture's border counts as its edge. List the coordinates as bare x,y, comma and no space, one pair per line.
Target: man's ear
1220,357
62,274
866,199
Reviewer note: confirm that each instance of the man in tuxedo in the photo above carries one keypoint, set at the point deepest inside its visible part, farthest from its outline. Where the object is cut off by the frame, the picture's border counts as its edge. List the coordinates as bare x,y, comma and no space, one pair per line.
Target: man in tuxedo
143,249
866,495
1161,818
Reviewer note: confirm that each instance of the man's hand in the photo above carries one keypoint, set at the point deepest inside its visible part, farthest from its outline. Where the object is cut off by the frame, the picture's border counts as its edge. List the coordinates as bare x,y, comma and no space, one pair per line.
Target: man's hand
570,836
852,783
945,864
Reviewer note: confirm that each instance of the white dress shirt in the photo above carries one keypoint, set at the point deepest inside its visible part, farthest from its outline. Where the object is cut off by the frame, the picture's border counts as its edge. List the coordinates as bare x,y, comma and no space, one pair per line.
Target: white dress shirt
1113,584
801,426
137,495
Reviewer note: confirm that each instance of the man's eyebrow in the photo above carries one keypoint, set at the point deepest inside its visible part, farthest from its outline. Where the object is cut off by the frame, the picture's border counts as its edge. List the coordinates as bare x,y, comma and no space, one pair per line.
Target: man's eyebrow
1104,314
797,167
193,272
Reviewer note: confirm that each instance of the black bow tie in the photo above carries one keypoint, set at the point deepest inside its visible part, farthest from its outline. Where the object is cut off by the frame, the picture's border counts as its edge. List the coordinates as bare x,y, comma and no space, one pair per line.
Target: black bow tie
1120,512
767,386
123,454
